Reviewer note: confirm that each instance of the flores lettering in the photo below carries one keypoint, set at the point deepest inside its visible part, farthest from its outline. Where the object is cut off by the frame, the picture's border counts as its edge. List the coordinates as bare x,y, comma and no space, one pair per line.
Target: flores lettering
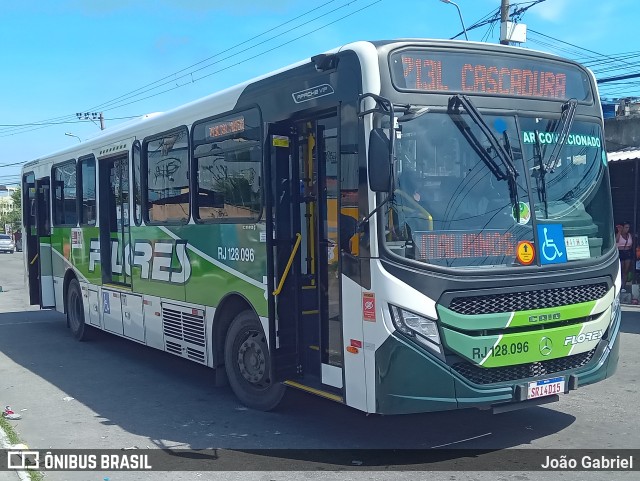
584,337
156,259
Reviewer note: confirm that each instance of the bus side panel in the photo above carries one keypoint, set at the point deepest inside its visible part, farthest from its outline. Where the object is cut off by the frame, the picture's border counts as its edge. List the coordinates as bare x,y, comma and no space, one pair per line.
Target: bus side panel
54,259
85,254
226,258
405,378
354,363
156,268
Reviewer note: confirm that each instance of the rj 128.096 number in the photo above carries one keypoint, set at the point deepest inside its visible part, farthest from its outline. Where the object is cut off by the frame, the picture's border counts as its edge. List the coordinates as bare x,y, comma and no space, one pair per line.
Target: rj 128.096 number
498,350
240,254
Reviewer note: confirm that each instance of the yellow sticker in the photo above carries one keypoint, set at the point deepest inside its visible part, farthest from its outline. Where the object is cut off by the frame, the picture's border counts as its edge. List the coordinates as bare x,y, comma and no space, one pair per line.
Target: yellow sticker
280,141
525,253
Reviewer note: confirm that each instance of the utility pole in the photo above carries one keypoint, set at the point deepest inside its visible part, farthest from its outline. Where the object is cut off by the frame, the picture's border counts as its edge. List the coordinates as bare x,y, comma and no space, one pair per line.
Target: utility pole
91,116
504,17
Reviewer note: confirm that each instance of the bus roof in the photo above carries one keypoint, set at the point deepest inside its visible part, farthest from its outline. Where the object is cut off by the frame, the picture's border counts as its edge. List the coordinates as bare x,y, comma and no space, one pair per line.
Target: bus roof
224,100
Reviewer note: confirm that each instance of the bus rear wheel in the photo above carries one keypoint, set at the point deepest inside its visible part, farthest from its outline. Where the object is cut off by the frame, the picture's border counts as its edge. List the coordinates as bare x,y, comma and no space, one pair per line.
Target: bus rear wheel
246,357
75,312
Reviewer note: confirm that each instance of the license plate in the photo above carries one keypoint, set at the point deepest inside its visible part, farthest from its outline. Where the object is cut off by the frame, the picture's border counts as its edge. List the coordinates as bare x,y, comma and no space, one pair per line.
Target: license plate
545,387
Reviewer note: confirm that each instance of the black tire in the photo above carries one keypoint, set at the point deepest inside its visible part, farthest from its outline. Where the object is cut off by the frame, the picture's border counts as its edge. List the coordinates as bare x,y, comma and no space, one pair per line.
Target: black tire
246,357
75,312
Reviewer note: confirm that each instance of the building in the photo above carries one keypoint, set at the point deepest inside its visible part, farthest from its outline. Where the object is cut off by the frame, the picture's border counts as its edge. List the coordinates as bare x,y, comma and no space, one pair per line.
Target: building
6,201
622,139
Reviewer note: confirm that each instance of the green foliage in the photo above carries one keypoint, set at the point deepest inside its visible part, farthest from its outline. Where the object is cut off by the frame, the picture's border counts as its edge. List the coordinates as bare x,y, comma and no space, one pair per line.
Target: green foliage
17,198
15,216
13,438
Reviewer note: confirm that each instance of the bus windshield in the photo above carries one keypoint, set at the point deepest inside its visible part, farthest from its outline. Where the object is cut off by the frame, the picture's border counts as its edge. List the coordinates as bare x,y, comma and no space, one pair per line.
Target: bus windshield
454,205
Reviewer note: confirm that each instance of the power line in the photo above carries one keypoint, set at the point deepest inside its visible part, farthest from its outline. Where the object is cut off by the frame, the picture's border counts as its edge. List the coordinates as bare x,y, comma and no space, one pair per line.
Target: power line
609,63
118,102
65,122
60,118
494,16
573,45
246,59
15,163
172,75
618,77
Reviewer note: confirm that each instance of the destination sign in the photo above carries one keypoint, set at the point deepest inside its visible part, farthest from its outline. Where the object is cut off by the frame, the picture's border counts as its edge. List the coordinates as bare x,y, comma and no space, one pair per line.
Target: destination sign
452,244
226,127
482,73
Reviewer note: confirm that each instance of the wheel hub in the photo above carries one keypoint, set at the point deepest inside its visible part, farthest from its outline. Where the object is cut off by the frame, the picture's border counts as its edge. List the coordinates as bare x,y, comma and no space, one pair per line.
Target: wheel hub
252,360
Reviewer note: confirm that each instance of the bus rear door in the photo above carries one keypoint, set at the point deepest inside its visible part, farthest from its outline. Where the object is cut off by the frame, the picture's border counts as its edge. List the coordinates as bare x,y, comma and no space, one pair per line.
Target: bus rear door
37,242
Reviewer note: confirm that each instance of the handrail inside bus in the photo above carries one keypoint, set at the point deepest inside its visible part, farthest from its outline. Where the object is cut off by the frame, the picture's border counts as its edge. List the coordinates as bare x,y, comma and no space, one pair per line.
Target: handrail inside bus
286,269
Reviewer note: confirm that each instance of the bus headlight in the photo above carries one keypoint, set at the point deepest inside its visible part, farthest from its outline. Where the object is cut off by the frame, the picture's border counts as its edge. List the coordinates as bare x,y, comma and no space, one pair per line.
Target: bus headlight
418,327
615,306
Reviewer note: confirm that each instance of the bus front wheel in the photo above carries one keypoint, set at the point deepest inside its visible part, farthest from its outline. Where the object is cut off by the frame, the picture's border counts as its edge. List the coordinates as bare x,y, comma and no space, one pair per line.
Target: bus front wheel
246,358
75,312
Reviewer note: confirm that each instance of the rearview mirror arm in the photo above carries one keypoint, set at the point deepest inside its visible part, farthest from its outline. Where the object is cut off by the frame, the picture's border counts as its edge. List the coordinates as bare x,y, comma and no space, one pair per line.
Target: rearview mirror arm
361,223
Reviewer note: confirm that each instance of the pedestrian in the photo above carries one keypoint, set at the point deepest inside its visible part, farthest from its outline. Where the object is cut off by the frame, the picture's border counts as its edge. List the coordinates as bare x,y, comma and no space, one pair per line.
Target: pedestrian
624,242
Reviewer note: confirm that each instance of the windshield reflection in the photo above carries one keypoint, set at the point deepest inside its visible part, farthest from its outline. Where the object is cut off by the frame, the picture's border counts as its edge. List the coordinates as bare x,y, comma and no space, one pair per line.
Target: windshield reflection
450,208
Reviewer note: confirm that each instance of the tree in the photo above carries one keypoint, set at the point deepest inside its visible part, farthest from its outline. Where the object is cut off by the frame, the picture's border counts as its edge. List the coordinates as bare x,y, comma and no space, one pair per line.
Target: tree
14,217
16,197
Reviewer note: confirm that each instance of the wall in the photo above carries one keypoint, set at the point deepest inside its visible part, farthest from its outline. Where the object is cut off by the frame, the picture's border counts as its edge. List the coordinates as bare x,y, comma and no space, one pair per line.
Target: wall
622,132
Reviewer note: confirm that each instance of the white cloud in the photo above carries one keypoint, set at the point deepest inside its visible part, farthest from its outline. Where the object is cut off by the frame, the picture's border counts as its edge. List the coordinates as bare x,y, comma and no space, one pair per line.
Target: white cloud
551,10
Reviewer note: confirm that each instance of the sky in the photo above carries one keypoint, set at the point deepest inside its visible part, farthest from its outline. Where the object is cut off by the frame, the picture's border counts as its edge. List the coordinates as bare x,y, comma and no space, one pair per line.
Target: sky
127,58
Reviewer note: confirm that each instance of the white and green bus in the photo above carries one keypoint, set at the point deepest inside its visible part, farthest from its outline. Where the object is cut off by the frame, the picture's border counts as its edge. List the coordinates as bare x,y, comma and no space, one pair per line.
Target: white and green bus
400,226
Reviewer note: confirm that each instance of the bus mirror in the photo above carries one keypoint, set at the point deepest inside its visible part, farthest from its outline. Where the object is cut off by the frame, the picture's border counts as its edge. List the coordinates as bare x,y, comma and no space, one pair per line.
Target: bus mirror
379,161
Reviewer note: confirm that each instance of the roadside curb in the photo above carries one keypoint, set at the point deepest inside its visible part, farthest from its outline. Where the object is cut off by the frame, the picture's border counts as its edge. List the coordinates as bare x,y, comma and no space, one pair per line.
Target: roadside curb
630,307
4,444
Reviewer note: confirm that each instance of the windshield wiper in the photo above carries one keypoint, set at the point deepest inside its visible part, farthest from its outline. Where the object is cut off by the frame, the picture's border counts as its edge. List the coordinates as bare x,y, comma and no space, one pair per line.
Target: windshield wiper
540,182
566,121
508,171
564,126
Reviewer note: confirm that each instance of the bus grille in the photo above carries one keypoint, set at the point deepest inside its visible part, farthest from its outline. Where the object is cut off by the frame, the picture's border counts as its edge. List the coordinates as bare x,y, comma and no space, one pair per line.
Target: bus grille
527,300
481,375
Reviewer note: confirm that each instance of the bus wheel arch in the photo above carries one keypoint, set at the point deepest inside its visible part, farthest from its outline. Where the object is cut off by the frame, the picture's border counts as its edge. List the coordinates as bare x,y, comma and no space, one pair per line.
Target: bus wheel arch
230,306
247,363
74,306
69,275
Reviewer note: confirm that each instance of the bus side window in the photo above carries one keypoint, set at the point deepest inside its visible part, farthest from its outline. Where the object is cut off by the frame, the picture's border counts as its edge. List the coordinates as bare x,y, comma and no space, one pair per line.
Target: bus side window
167,165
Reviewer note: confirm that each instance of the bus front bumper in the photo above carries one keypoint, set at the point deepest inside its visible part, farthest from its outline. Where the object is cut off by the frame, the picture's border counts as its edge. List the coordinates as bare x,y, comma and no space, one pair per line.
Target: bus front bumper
410,380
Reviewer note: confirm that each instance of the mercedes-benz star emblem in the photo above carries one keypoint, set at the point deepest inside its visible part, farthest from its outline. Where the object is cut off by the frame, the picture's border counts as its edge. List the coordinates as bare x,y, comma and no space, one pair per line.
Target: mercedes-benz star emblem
545,346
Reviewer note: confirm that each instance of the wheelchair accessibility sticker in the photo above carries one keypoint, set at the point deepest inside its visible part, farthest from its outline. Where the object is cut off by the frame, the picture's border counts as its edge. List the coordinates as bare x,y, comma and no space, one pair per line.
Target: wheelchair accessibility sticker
105,303
551,246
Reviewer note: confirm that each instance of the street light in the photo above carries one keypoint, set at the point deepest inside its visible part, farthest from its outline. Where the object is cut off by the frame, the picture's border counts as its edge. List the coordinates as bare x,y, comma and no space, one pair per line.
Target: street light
71,135
464,29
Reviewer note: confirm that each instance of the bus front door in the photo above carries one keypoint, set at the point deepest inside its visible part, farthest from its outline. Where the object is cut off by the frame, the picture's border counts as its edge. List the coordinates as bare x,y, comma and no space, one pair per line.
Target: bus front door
284,267
306,202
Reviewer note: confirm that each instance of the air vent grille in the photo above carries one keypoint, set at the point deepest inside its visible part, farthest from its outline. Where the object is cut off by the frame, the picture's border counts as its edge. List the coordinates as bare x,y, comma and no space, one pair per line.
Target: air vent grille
174,348
185,332
482,375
